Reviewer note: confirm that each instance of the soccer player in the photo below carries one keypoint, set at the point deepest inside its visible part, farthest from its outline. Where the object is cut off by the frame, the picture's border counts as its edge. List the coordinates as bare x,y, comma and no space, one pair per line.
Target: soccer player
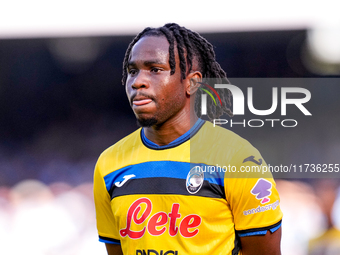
161,190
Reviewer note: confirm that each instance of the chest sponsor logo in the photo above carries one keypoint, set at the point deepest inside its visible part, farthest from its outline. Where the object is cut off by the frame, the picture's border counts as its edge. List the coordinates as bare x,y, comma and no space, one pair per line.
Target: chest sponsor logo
262,190
125,179
140,219
195,180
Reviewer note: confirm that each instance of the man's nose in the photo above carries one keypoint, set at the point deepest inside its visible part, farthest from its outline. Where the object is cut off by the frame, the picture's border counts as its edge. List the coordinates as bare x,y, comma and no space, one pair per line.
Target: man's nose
141,80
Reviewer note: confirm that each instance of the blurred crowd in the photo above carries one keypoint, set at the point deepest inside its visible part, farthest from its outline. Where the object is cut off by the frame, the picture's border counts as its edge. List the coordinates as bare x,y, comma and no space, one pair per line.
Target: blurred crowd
311,220
36,219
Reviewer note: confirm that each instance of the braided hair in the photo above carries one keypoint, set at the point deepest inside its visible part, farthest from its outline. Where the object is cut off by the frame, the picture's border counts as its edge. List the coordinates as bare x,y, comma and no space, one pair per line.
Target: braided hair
191,46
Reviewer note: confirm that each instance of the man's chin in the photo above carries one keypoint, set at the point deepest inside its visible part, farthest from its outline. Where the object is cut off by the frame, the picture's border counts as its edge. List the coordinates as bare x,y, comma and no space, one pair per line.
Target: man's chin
146,122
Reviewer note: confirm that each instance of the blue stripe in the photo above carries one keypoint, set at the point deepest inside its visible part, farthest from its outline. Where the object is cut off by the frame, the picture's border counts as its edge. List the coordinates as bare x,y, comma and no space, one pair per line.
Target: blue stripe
275,228
253,233
199,123
262,232
169,169
108,241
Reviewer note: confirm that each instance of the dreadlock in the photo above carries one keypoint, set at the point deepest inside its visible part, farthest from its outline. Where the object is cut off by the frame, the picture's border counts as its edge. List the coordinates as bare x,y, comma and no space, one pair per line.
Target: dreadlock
191,46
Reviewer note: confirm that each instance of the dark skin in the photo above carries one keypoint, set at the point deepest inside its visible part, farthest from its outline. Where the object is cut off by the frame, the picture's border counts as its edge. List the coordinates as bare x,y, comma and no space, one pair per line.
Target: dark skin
154,93
113,249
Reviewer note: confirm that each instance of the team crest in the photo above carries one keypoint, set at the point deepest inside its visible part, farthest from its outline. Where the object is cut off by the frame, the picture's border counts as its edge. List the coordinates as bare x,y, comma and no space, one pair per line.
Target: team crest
195,180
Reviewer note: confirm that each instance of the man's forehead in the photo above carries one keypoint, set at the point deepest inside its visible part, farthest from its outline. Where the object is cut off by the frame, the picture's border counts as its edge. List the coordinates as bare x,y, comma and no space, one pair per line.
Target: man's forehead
150,49
151,43
146,62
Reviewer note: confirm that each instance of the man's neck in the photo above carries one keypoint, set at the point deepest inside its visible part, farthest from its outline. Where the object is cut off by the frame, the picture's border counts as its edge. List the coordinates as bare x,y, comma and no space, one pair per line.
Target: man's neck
171,129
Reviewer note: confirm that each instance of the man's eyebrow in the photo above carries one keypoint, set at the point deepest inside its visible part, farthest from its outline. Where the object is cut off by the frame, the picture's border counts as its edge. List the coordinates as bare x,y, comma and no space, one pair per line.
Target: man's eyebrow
131,63
152,62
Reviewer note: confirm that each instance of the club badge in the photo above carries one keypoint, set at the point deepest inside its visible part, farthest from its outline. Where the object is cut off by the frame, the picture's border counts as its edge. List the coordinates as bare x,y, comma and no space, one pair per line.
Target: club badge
195,180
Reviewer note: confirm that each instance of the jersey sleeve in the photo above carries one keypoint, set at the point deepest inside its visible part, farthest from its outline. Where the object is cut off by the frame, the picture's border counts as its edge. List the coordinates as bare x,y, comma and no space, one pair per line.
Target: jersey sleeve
105,221
252,195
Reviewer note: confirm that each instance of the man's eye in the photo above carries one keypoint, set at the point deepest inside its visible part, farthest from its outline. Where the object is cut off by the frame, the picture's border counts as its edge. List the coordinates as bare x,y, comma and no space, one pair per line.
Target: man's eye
156,70
132,71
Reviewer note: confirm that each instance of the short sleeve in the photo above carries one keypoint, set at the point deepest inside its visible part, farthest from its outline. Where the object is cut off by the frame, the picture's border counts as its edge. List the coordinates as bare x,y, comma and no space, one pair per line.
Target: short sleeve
104,216
252,194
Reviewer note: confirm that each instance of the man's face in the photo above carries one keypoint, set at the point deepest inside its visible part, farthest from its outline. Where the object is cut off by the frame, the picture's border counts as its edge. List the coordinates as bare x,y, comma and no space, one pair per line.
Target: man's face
155,95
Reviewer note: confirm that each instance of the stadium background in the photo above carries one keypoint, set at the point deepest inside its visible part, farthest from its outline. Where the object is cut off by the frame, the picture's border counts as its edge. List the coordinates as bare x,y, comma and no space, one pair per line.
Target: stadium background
62,104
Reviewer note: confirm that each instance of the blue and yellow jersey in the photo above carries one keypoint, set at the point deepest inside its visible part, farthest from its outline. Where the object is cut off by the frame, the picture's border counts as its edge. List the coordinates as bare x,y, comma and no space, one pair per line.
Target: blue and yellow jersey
192,196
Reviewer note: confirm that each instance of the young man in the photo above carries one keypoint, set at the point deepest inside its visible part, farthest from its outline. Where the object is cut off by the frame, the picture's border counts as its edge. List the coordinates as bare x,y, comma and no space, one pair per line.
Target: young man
152,193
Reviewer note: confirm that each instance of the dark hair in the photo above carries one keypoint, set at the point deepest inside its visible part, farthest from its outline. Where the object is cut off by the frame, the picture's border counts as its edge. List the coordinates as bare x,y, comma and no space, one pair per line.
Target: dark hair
196,48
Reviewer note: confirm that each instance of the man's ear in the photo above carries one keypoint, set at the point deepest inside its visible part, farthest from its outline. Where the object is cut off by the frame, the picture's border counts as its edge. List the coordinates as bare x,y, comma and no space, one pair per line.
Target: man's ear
194,79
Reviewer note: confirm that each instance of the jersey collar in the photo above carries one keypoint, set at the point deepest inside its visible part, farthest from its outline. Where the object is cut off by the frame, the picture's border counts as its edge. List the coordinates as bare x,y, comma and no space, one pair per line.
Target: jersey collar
183,138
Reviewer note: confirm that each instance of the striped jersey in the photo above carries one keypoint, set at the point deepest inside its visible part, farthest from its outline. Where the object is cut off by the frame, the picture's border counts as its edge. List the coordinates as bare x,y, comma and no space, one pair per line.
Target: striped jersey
197,195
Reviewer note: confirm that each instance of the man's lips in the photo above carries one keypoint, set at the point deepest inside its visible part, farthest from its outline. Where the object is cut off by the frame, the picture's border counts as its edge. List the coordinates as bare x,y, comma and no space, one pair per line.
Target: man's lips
139,102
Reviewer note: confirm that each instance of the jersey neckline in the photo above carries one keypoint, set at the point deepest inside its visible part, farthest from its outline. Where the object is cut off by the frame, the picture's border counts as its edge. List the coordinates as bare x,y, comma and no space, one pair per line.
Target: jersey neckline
178,141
